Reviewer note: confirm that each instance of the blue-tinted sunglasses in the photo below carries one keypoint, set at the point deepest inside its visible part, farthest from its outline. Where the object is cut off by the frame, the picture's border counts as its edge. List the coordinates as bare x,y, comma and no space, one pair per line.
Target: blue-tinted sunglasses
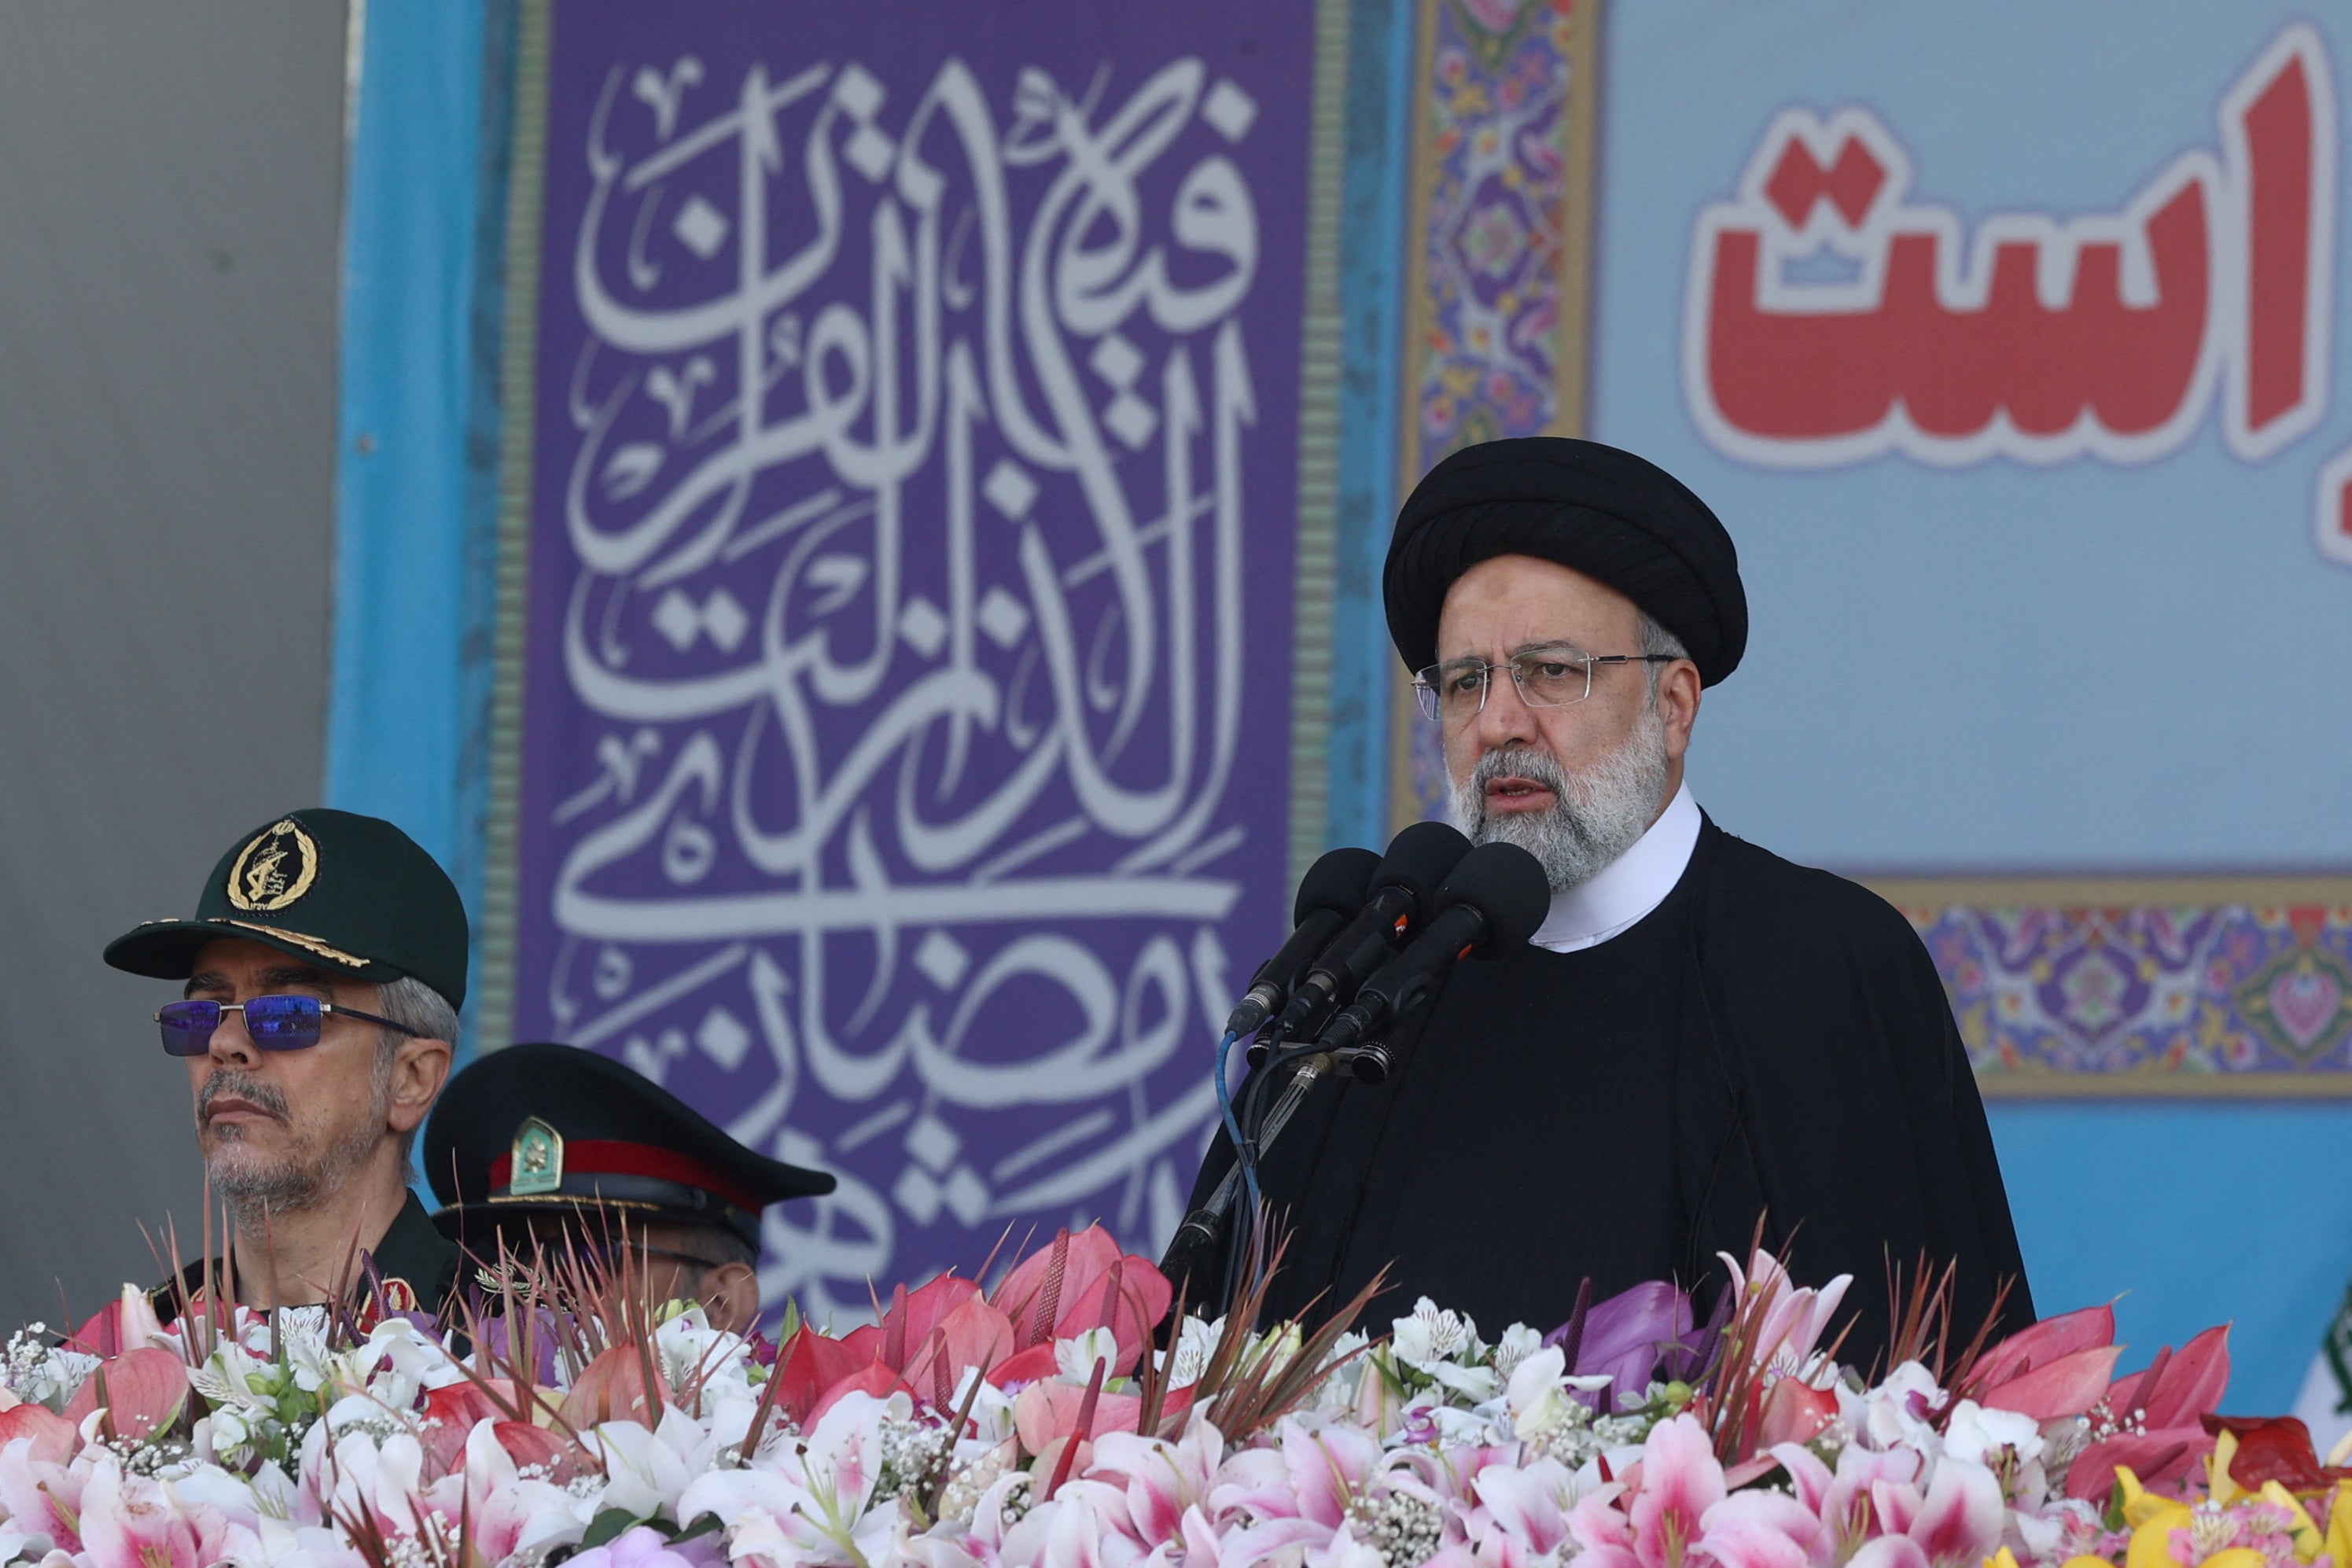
271,1022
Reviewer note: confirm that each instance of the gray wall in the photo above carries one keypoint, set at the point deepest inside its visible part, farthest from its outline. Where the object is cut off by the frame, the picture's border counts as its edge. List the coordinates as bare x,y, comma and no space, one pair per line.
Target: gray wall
170,184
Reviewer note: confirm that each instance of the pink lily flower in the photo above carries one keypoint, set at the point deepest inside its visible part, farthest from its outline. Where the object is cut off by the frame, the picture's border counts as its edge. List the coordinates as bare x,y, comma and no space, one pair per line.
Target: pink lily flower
1529,1504
41,1495
1327,1468
1956,1525
131,1522
1797,1317
1162,1480
1759,1529
1680,1481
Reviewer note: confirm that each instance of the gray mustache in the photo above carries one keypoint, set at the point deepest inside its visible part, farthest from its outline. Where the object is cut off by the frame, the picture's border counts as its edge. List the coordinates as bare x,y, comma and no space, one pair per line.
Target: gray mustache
1514,762
227,1082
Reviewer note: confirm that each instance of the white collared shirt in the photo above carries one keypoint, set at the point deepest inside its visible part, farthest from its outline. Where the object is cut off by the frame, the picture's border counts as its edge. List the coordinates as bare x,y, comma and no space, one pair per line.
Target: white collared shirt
1629,886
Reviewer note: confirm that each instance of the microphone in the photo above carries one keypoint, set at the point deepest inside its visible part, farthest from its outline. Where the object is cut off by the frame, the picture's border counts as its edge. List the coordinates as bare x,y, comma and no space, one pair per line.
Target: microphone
1494,901
1333,889
1418,859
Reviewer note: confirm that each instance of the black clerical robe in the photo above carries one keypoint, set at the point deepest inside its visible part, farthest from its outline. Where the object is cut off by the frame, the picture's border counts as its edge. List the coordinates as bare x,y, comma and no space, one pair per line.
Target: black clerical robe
1769,1041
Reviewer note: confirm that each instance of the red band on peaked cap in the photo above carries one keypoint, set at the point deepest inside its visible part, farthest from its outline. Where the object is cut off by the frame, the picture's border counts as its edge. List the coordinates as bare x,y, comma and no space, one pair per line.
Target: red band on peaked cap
605,1157
1617,518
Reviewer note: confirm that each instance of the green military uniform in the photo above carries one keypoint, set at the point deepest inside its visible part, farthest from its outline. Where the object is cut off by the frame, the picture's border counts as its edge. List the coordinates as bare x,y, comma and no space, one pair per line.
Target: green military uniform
417,1265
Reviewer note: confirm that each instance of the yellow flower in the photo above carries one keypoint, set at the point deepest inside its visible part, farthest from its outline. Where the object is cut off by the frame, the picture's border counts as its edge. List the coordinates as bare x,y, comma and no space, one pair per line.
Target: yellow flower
2339,1525
2308,1543
2142,1506
2153,1520
2236,1557
2217,1470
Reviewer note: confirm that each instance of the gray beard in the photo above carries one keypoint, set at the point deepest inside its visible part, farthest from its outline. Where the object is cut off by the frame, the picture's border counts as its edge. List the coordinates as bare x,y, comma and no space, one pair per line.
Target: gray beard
304,1176
1596,813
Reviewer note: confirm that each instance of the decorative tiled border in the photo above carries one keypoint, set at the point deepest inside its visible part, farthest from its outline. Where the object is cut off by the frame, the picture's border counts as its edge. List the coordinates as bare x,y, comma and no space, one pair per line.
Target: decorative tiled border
2145,986
1499,256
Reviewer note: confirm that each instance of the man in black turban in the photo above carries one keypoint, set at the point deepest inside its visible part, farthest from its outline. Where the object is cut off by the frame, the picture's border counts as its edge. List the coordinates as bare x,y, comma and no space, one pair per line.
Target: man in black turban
1702,1034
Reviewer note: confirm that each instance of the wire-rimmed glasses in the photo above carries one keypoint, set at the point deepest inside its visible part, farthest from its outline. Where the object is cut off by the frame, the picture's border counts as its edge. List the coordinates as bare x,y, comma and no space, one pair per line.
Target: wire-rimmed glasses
1554,676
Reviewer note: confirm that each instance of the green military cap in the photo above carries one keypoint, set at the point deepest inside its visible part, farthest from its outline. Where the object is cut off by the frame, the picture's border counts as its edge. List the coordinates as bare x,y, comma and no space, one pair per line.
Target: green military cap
555,1130
352,894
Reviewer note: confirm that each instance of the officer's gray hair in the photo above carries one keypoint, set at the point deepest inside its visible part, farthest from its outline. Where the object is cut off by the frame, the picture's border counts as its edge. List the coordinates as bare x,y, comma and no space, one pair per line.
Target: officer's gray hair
412,1004
1656,639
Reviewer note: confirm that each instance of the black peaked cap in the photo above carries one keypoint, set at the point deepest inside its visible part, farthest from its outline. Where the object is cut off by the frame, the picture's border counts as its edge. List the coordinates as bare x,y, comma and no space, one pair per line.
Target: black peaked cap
351,894
556,1130
1618,519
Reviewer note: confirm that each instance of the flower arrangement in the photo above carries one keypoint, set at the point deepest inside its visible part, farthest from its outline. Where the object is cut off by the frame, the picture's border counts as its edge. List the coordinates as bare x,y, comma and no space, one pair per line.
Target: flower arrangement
1039,1423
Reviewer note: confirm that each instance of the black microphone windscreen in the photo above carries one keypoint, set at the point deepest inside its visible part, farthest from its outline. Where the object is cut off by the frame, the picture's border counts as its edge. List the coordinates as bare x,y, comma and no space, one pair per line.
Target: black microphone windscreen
1505,884
1340,882
1418,858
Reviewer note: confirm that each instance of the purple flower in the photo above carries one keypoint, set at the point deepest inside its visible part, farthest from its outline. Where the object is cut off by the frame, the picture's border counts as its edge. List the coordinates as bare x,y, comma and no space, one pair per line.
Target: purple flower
1634,1336
497,1345
641,1547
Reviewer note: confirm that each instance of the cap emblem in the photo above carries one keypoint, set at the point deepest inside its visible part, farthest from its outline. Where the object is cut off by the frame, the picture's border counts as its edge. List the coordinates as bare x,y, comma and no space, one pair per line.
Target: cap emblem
538,1160
275,869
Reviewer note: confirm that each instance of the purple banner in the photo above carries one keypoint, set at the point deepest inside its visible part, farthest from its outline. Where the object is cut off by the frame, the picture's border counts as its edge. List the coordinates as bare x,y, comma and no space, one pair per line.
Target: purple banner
905,722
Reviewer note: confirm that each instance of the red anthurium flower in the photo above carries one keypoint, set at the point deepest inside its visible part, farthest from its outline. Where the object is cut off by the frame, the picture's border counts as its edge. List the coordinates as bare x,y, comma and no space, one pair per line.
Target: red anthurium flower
1083,1281
2274,1448
53,1437
1030,1365
1795,1413
2065,1385
126,1324
873,1378
2069,1333
529,1445
2189,1385
145,1390
612,1387
2170,1398
810,1364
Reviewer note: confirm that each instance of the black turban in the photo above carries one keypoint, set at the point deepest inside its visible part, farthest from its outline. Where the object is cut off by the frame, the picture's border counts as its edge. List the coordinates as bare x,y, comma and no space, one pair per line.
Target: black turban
1618,519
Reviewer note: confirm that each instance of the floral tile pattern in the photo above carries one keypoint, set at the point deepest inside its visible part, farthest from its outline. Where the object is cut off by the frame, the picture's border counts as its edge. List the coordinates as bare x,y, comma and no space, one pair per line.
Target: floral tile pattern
2223,998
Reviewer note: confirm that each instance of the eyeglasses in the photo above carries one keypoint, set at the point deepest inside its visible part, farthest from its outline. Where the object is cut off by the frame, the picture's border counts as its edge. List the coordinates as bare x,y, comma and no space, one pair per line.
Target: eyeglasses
1553,676
272,1023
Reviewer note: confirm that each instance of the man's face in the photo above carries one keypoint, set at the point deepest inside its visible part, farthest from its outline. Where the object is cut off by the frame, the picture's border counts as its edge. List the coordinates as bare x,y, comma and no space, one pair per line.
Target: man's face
285,1129
1574,785
665,1262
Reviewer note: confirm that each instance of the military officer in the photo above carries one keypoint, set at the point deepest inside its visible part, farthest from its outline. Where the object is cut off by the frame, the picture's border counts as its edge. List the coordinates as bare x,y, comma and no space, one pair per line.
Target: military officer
323,973
542,1142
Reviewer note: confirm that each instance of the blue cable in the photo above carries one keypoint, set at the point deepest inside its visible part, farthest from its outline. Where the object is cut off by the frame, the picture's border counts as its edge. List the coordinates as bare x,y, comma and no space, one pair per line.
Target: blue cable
1233,1127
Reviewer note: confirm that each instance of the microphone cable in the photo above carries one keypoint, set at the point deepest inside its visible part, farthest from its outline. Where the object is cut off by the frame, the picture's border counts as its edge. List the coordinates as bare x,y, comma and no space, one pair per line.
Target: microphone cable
1242,1151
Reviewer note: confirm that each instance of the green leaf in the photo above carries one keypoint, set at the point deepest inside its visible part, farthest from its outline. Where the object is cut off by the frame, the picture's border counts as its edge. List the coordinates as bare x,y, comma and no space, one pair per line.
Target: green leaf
607,1527
706,1525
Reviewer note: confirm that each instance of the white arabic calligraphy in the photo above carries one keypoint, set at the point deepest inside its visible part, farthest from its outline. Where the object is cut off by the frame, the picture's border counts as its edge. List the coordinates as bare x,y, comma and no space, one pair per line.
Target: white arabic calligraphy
904,639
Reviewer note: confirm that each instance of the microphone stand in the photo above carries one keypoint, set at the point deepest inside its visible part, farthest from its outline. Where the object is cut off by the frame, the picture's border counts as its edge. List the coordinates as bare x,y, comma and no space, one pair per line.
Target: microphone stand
1203,1227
